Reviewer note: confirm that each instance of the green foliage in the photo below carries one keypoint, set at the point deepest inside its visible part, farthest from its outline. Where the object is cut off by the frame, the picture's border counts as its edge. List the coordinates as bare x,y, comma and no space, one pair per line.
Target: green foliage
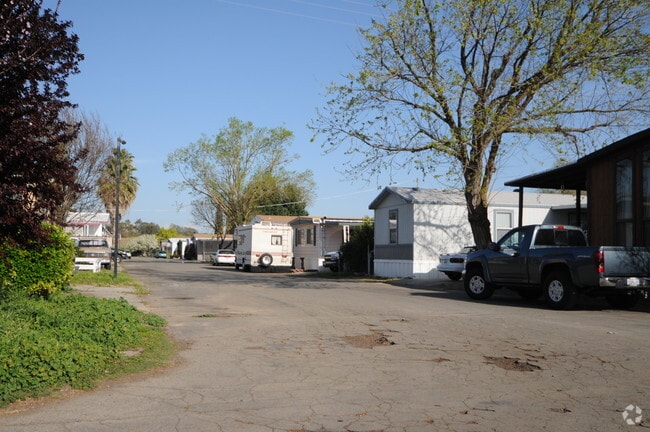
107,182
231,173
165,234
356,250
456,86
66,340
105,278
36,269
137,228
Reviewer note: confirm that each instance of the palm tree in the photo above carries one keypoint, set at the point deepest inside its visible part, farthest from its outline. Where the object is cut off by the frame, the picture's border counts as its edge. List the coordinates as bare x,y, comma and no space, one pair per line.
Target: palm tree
128,182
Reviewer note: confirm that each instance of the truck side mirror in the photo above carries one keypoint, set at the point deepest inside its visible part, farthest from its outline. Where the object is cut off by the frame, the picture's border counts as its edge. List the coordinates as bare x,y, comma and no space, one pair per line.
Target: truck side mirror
493,247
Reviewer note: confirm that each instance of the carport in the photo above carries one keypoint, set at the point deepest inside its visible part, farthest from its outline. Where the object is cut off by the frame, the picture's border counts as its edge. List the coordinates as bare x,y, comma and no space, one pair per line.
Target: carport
616,179
569,177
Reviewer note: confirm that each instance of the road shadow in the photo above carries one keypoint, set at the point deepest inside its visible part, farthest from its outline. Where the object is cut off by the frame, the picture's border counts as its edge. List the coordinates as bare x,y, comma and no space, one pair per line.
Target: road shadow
454,290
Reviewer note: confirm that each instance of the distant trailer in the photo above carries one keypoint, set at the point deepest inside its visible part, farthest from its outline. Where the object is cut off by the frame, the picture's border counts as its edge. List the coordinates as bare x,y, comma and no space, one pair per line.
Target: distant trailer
263,245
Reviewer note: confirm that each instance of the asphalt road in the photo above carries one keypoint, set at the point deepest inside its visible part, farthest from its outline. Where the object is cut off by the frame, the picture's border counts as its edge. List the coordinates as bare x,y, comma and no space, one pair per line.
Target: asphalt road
292,352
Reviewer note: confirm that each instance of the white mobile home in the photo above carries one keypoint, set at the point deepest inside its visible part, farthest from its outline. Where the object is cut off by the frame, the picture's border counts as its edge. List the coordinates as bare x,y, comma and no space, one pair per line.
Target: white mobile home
414,226
314,236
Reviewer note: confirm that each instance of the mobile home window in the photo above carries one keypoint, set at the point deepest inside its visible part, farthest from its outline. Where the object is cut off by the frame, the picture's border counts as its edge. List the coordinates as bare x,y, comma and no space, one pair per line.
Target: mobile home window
624,226
310,234
392,226
502,222
276,240
646,197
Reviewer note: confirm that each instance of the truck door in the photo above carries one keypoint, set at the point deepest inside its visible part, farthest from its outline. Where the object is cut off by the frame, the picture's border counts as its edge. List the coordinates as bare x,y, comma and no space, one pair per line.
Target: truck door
509,264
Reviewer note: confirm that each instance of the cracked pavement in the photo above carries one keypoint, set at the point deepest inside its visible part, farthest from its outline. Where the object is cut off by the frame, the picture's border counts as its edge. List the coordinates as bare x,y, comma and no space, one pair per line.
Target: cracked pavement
289,352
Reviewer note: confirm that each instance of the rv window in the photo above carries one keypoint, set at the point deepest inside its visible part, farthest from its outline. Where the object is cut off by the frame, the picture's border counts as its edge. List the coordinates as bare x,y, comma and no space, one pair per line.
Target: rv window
276,240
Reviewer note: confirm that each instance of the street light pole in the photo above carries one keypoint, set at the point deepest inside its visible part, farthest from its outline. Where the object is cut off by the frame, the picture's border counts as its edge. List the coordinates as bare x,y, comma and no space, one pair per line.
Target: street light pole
118,167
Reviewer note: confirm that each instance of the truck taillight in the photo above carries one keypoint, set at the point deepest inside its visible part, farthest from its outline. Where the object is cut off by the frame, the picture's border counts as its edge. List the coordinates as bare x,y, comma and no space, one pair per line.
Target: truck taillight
599,258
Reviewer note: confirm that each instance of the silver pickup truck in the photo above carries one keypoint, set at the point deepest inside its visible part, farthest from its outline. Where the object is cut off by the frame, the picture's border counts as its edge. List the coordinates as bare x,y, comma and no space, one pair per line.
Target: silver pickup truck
555,261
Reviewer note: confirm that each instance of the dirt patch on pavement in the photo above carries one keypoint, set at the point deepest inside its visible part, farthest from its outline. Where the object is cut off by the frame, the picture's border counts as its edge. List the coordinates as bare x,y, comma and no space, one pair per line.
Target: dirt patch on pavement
511,363
368,341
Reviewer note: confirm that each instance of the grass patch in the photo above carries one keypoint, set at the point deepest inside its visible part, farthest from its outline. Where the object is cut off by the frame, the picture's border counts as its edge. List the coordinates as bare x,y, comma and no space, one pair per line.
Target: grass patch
105,279
76,341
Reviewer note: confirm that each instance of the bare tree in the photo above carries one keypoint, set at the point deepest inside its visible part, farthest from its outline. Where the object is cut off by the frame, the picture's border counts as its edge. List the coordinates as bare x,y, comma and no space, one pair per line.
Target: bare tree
452,86
90,150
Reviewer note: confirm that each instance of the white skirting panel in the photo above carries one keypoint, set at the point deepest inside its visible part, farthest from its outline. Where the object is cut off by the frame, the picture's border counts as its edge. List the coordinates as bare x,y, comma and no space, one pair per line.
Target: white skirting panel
406,268
394,268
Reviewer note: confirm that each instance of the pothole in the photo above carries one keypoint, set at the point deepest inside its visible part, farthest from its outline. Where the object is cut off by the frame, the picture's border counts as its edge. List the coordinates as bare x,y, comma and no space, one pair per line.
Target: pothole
368,341
512,363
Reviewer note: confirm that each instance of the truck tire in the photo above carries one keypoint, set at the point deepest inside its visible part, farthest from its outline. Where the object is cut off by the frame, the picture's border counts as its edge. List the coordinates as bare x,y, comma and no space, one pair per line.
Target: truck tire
476,286
266,260
623,300
559,291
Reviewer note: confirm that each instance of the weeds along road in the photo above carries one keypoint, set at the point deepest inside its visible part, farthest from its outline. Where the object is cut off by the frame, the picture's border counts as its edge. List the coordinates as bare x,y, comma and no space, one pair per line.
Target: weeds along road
293,352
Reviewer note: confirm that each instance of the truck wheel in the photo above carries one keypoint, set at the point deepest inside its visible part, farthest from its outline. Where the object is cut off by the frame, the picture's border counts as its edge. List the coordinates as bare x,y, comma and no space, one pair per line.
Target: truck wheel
623,300
559,291
475,285
266,260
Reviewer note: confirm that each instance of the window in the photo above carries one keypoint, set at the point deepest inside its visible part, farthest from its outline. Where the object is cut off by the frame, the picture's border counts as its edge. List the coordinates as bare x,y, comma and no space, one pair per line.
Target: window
276,240
645,158
392,226
310,235
624,209
503,223
297,237
514,240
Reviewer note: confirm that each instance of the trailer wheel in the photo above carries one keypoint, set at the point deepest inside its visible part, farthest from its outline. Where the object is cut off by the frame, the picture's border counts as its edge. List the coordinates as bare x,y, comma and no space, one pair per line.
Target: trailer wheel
266,260
559,291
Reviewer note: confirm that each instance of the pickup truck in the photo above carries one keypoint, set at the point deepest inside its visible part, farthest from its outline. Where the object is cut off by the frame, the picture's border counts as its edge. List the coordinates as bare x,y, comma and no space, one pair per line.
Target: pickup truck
556,262
95,247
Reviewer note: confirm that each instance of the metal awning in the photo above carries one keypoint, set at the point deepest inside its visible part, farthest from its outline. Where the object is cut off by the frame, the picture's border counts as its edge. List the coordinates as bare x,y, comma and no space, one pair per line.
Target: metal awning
568,177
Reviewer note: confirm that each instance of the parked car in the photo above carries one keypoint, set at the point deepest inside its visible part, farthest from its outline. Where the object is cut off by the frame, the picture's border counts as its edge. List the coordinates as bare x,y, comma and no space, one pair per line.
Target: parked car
332,260
453,264
160,254
121,254
223,256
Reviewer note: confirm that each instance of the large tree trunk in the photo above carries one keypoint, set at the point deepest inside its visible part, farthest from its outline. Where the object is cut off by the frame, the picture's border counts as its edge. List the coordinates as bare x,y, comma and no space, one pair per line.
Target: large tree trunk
477,215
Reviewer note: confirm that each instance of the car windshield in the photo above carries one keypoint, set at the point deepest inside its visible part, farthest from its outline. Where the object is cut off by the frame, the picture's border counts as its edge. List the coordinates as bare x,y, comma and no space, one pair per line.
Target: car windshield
226,252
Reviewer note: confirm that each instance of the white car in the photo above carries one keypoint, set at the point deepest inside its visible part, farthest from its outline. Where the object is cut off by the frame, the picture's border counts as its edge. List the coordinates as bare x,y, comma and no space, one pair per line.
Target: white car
453,264
223,256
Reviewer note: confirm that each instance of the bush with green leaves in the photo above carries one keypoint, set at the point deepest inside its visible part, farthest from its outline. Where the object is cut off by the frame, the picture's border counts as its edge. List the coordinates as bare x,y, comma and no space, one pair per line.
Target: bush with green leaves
36,269
66,340
356,250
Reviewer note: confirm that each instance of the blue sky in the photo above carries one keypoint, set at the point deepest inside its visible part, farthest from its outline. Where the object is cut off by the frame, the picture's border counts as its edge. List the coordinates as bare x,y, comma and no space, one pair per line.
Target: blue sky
162,73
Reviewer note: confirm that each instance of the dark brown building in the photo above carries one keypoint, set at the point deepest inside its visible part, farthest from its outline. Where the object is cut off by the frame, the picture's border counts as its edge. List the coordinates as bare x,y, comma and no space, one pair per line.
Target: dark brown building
617,181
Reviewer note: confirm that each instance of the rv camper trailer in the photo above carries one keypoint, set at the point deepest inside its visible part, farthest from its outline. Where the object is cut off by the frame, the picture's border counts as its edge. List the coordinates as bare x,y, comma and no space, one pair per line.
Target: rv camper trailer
263,245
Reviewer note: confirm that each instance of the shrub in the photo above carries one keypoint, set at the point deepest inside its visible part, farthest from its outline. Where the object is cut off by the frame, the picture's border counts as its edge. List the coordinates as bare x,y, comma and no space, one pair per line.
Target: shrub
355,251
65,340
36,269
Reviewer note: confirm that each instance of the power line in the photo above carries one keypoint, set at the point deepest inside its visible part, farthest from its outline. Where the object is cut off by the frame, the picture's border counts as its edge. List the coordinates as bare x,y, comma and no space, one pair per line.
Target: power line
300,15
